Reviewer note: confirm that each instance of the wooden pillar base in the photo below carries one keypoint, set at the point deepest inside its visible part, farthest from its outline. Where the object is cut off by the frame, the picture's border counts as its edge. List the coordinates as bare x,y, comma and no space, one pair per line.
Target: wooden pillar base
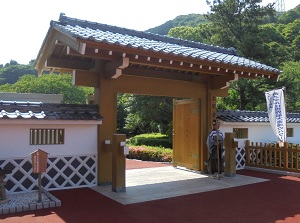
119,189
118,163
230,153
102,183
230,174
3,191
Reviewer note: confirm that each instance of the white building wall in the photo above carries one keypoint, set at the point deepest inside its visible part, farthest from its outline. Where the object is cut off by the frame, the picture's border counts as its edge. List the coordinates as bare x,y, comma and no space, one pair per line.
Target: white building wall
261,132
296,137
79,139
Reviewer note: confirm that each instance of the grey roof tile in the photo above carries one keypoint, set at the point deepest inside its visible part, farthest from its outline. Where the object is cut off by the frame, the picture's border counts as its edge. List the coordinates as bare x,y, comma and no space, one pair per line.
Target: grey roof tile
148,41
252,116
47,111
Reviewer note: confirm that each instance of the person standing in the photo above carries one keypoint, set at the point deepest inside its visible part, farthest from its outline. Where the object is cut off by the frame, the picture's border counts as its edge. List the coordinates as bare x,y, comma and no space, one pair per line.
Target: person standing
215,140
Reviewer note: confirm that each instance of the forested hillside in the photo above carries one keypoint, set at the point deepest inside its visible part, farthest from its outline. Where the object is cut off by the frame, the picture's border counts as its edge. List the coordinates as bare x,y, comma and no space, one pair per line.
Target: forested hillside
191,20
12,71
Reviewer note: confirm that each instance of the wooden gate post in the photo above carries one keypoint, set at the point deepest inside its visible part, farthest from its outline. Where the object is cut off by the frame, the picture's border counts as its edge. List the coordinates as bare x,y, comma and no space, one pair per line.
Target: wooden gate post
230,154
247,148
286,155
118,163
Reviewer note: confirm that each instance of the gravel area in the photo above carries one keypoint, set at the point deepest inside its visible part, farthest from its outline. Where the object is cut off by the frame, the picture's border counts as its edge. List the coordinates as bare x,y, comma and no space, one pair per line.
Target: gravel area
19,202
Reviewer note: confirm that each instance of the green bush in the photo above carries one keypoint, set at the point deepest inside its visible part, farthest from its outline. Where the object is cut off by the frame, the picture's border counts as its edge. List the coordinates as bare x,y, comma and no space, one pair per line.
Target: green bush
147,153
153,139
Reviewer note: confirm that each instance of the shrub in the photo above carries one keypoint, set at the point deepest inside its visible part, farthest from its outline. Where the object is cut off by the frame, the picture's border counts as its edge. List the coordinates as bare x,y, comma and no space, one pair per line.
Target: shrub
147,153
153,139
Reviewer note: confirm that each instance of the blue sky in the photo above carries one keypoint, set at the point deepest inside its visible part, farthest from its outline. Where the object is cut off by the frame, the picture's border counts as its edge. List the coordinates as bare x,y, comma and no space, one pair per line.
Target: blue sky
24,24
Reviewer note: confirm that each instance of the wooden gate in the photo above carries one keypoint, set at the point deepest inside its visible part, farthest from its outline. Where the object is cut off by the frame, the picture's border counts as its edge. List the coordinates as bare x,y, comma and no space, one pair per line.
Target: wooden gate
186,133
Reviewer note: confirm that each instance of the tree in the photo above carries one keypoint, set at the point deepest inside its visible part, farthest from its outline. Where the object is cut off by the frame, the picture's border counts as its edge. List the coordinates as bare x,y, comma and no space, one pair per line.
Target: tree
237,23
296,48
50,84
147,114
291,80
12,71
289,16
191,20
122,103
202,33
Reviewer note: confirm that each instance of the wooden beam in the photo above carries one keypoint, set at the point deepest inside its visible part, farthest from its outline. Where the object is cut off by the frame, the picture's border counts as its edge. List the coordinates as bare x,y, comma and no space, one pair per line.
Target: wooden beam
114,68
220,92
45,51
69,64
173,75
85,78
158,87
72,42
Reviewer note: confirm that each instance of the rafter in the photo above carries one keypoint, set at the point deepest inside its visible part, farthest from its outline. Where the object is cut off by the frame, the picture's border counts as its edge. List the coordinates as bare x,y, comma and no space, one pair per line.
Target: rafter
94,53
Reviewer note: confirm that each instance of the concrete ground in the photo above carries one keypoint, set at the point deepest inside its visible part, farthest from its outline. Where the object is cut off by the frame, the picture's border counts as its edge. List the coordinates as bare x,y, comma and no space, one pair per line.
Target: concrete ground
156,183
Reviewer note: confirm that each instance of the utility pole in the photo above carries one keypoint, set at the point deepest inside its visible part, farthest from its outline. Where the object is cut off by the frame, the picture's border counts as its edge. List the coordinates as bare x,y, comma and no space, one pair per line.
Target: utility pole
280,6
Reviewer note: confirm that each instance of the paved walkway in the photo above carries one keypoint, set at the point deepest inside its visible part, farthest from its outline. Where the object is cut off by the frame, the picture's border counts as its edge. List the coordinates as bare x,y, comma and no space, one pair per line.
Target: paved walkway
150,184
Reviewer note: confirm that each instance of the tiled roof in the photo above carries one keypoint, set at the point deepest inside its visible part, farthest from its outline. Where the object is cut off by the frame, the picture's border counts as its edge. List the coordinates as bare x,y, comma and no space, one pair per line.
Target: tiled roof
253,116
152,42
47,111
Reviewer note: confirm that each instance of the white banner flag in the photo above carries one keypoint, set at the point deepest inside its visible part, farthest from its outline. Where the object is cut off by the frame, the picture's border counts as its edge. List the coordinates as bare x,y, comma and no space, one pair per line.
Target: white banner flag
277,113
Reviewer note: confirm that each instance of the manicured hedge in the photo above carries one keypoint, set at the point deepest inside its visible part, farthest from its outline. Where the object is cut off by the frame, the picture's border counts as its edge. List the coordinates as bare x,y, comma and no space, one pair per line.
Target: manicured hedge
153,139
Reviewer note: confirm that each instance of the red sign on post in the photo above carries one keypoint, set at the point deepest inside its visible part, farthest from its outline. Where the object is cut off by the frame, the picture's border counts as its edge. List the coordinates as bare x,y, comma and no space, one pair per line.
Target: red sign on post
39,161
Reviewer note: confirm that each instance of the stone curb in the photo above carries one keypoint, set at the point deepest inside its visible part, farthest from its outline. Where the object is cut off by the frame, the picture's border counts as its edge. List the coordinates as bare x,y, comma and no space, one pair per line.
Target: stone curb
54,202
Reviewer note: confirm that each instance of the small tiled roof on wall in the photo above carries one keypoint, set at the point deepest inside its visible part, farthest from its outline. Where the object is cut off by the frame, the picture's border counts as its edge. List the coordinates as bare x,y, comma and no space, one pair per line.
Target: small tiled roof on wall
48,111
252,116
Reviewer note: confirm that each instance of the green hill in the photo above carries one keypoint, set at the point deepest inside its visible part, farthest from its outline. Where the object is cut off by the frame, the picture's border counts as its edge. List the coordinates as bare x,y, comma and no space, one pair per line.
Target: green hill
191,20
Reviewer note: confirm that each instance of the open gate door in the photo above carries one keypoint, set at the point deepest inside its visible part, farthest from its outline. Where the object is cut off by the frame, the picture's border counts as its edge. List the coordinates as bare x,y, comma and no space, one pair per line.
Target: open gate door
186,133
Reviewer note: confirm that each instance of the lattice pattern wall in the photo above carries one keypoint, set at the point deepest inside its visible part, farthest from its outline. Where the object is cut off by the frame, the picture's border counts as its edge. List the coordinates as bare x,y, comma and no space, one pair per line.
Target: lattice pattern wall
62,172
240,158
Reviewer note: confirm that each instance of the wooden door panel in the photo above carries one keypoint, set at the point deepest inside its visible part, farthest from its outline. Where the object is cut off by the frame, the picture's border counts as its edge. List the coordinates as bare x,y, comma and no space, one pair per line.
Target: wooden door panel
186,133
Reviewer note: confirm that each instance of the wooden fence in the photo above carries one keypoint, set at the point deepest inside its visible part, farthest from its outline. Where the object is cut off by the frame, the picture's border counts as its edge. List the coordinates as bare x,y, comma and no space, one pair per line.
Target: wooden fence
271,156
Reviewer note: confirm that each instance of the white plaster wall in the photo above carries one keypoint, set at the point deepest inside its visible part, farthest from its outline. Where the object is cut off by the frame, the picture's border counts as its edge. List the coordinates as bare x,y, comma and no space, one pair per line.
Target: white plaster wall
79,139
296,138
261,132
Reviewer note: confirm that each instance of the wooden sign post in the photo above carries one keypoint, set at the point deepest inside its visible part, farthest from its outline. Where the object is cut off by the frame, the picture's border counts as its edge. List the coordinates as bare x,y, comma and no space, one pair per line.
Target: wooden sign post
39,165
